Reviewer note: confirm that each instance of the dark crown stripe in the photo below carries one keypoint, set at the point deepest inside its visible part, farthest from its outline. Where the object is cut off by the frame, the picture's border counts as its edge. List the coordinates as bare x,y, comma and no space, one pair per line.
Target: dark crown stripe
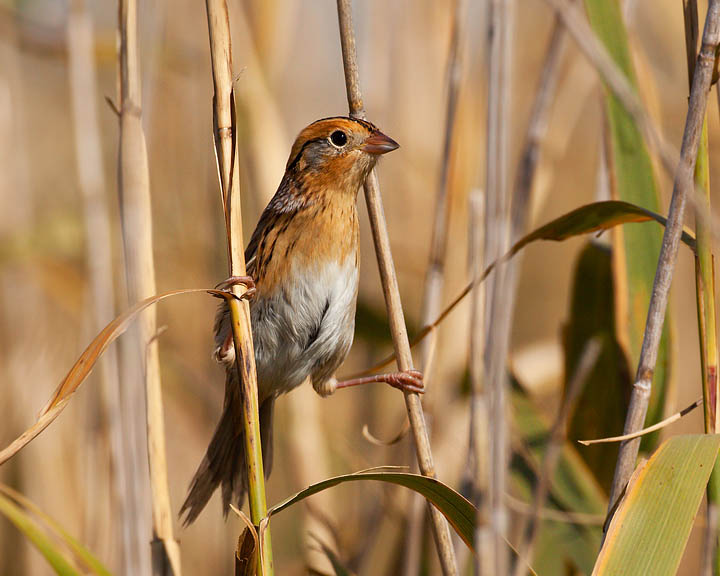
296,159
369,125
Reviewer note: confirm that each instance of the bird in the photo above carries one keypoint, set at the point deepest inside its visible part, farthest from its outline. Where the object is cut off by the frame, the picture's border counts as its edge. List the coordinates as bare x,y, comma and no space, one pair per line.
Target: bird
303,269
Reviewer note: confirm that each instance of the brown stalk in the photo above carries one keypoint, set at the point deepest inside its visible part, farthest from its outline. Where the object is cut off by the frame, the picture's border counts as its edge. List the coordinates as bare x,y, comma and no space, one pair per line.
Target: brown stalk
134,190
435,274
226,150
556,441
683,184
91,178
441,530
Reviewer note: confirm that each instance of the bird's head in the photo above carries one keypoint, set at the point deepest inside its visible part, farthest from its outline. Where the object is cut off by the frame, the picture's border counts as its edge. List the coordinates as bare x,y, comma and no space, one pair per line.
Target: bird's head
338,152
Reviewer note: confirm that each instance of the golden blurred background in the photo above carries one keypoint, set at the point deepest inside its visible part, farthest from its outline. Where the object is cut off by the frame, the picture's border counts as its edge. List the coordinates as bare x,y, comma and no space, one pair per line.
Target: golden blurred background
289,73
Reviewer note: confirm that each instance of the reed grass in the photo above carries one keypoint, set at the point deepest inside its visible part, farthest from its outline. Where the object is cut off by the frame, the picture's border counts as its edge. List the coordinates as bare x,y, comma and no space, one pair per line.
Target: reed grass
225,135
441,531
683,185
134,190
435,273
285,68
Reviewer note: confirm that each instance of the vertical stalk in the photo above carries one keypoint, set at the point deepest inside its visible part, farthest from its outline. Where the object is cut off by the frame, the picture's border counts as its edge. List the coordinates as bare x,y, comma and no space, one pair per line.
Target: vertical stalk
226,149
441,530
498,300
91,178
705,292
479,426
683,185
435,274
134,189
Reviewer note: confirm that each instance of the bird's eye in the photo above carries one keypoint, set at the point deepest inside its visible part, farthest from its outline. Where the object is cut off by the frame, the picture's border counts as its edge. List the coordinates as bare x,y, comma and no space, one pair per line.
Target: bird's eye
338,138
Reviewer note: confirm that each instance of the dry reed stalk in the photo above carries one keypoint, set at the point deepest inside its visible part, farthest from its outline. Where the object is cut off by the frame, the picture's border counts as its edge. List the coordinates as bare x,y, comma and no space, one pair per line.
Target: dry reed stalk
134,189
479,429
683,184
553,450
91,178
267,138
435,274
225,133
525,178
441,530
498,301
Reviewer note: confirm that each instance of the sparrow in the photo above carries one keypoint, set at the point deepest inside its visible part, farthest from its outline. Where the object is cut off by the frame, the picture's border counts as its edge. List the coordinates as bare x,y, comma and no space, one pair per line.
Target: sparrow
303,269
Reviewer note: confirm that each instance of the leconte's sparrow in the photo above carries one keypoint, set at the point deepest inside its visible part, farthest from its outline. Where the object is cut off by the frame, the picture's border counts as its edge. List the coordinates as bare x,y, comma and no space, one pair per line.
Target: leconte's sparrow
303,257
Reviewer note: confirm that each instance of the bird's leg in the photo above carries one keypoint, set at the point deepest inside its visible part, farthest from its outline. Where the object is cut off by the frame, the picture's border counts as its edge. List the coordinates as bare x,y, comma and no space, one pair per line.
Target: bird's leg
408,381
246,281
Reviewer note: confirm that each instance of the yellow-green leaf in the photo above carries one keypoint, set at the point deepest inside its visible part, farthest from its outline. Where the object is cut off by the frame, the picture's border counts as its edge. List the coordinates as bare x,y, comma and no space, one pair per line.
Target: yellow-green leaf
456,508
650,529
50,550
84,555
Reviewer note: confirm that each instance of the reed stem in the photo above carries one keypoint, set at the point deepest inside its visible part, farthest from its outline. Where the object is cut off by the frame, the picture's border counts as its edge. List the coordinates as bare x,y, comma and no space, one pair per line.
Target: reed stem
683,185
134,189
441,530
226,149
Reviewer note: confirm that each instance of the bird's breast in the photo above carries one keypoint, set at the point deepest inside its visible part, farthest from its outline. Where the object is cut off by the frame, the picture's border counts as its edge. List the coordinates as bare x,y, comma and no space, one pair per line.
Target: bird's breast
304,327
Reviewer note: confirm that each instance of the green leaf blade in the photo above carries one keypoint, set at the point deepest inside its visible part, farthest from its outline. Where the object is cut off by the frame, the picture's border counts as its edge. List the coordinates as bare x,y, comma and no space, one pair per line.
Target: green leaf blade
649,532
39,539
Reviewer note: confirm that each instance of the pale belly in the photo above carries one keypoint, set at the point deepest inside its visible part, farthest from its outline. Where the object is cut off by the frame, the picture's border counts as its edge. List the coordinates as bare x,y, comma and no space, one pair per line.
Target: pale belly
305,328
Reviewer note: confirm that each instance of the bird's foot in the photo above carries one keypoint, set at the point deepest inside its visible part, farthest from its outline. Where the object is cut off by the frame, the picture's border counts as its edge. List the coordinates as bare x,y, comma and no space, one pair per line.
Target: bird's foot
246,281
407,381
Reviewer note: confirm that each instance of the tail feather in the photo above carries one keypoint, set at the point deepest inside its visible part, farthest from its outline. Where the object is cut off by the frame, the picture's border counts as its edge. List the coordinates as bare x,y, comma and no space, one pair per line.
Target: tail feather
224,461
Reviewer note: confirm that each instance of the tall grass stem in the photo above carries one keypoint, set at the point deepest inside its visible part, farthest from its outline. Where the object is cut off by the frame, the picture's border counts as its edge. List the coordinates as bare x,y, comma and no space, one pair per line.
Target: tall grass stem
134,189
226,149
441,530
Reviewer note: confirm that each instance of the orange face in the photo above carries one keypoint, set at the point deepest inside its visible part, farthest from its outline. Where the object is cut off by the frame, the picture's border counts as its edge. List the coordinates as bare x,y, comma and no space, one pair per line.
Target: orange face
338,152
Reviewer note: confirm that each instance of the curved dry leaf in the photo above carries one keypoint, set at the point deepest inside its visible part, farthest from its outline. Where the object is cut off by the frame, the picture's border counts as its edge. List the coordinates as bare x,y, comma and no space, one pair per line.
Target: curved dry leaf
594,217
650,429
84,365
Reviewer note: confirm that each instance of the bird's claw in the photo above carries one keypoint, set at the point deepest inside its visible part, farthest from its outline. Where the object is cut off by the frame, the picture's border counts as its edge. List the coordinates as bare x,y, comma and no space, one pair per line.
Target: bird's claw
246,281
407,381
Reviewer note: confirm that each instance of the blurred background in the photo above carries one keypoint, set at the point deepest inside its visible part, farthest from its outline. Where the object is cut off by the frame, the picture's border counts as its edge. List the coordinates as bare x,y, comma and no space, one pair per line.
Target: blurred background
289,73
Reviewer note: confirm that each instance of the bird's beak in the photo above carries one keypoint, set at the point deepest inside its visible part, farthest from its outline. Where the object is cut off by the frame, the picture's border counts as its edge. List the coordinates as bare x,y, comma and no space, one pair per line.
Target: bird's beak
377,143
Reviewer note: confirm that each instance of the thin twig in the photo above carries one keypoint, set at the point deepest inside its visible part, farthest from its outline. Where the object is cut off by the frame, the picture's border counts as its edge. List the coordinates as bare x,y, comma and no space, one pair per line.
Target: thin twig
435,274
134,188
640,396
226,150
556,441
391,291
649,430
